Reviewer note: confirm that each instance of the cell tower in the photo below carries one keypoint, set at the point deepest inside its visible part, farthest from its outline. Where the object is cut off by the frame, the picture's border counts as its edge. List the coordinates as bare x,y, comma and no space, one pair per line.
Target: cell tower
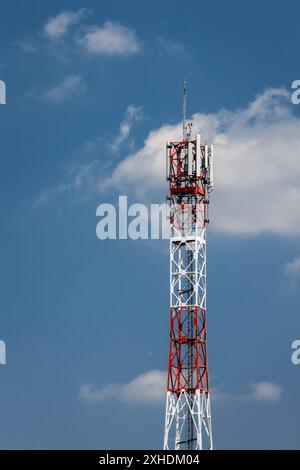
190,178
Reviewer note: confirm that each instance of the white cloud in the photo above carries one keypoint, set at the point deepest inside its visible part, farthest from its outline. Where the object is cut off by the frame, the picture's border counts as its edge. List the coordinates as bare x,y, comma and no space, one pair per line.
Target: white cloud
26,46
72,86
292,268
83,176
266,391
258,391
110,39
148,388
132,115
49,194
58,26
257,165
173,48
92,395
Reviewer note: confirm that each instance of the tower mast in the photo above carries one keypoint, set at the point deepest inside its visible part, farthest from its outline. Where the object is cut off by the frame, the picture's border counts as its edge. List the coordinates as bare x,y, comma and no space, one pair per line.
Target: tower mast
190,178
184,125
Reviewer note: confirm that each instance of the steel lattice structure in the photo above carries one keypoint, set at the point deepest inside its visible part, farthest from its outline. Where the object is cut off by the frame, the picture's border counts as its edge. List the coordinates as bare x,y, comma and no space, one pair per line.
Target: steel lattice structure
190,177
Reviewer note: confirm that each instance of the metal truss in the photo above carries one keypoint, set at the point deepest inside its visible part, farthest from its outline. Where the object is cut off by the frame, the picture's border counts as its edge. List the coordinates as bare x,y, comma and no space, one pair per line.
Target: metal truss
186,408
188,413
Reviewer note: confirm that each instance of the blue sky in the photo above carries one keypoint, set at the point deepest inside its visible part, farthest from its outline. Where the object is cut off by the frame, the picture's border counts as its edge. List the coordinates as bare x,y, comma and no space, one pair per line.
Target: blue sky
76,311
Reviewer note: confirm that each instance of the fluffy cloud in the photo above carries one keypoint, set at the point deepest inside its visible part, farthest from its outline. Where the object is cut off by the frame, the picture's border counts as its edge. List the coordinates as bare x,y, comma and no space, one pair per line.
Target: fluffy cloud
266,391
292,268
70,87
258,391
84,177
133,114
150,388
257,165
26,46
110,39
58,26
146,388
173,48
48,195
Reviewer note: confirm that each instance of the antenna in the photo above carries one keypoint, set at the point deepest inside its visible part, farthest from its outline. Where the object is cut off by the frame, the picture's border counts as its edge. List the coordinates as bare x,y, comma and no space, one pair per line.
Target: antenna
186,126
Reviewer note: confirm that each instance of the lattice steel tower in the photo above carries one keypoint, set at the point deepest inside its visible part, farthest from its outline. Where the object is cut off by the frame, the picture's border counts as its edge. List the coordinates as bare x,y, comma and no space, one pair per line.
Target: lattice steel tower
190,178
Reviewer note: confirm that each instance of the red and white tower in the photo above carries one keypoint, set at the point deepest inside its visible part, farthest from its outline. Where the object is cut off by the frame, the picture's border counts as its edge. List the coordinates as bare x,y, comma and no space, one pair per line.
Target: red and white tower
190,178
